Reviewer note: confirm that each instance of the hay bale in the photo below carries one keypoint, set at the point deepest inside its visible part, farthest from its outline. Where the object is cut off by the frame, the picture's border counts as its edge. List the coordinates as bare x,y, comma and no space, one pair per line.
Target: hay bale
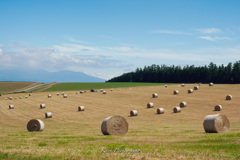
196,88
211,84
101,90
111,89
150,105
64,96
11,106
10,98
183,85
104,92
160,110
35,125
176,109
62,93
218,108
228,97
42,106
133,113
20,97
81,108
30,94
183,104
48,115
190,91
57,94
114,125
165,86
217,123
26,96
81,92
175,92
49,96
154,95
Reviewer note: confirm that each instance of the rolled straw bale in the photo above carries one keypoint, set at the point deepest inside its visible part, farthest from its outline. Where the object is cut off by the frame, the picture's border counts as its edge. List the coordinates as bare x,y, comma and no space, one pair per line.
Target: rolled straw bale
183,104
133,113
85,91
57,94
35,125
217,123
176,109
165,86
211,84
154,95
64,96
114,125
49,96
190,91
62,93
150,105
176,92
20,97
104,92
11,106
48,115
183,85
111,89
196,88
26,96
101,90
10,98
218,108
160,110
81,92
42,106
81,108
228,97
30,94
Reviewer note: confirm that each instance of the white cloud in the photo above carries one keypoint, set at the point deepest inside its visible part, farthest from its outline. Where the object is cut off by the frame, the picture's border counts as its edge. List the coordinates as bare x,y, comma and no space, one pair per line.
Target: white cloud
0,51
169,32
73,48
209,30
121,49
214,38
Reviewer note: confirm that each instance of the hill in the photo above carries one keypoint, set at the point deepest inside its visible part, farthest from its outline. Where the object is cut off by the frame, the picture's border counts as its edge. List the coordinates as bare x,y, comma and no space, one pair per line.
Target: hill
45,76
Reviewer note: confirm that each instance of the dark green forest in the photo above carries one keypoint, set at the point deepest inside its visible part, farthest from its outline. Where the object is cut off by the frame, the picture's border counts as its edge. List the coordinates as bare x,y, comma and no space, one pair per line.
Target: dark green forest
186,74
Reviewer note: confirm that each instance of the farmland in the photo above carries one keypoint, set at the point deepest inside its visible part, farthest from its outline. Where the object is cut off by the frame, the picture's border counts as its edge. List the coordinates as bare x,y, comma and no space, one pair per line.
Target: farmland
77,135
15,86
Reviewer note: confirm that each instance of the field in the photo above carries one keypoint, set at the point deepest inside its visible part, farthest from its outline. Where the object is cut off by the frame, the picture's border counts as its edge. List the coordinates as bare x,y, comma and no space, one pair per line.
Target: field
79,86
77,135
15,86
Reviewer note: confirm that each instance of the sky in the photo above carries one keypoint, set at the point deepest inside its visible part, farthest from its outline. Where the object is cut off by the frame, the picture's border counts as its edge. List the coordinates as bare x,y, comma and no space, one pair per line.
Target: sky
106,38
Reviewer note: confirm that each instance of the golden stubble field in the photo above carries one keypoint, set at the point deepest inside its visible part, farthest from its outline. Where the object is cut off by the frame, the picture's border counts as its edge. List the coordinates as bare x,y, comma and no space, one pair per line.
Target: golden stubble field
77,135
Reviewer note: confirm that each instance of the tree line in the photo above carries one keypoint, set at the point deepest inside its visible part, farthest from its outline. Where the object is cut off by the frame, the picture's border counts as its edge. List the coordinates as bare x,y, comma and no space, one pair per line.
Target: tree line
187,74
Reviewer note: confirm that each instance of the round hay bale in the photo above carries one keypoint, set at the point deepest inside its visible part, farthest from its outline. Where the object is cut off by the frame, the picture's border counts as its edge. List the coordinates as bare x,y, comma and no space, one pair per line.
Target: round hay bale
176,109
20,97
218,108
49,96
150,105
160,110
64,96
42,106
48,115
10,98
30,94
154,95
217,123
229,97
183,85
114,125
196,88
183,104
57,94
133,113
190,91
111,89
35,125
62,93
81,92
104,92
211,84
11,106
81,108
101,90
175,92
26,96
165,86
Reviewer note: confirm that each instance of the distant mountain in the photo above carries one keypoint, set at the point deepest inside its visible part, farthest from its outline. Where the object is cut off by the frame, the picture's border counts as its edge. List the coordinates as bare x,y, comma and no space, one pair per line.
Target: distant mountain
46,77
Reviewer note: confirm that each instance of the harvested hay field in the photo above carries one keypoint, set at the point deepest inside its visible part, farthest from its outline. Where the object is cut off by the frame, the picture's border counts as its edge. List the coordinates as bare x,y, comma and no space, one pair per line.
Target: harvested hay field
77,135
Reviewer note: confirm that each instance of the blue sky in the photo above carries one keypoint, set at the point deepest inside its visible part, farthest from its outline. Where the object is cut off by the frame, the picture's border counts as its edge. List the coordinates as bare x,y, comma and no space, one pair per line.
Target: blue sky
106,38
